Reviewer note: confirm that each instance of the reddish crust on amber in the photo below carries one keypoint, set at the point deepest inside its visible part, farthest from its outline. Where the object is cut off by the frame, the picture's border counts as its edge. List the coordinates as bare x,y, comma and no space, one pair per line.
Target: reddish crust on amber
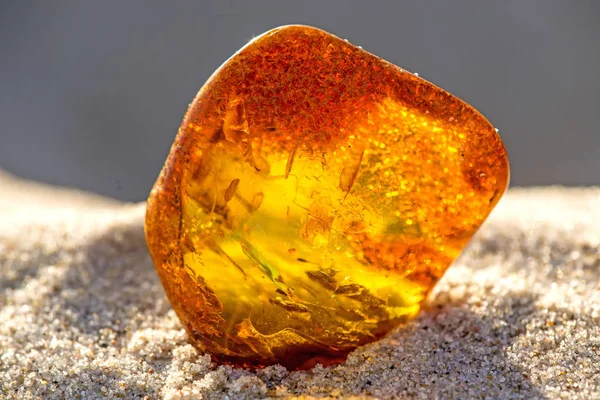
313,196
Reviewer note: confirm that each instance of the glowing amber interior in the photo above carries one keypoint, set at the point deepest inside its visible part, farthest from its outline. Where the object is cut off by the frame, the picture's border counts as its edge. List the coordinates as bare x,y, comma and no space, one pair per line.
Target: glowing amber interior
314,195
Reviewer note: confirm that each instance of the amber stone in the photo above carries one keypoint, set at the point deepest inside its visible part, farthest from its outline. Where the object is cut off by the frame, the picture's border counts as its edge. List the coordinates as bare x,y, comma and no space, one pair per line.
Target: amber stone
313,196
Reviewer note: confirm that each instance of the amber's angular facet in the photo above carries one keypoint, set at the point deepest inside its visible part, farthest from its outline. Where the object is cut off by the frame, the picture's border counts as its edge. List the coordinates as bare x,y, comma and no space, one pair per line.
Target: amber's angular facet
314,195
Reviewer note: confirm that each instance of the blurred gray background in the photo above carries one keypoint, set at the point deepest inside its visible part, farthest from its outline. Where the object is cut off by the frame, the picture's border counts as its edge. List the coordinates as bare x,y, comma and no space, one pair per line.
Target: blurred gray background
92,92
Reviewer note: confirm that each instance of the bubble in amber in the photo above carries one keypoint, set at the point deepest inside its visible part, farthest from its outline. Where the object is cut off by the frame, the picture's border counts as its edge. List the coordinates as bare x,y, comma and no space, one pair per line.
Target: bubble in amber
313,196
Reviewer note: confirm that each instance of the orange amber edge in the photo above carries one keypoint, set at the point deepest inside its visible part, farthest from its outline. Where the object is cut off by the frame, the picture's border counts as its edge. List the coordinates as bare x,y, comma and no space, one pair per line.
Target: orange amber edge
313,196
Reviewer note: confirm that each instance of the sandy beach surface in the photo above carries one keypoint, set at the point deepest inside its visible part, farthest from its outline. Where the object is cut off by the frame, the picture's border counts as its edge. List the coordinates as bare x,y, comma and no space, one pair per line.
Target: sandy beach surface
83,314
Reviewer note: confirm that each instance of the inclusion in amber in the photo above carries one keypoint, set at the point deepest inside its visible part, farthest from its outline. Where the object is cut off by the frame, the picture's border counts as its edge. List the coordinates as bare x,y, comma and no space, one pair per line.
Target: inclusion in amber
314,195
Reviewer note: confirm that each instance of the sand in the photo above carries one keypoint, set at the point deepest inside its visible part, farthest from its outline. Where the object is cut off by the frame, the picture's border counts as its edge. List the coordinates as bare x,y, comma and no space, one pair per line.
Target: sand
83,314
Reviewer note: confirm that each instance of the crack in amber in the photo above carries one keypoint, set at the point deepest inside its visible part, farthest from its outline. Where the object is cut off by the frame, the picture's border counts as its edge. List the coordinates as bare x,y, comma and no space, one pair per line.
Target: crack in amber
314,195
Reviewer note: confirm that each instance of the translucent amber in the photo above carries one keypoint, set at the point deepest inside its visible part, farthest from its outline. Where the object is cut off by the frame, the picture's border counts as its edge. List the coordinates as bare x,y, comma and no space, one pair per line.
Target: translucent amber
313,196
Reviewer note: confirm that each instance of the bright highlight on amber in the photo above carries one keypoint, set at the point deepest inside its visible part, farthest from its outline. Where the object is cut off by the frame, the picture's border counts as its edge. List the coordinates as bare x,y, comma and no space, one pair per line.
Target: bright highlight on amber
314,195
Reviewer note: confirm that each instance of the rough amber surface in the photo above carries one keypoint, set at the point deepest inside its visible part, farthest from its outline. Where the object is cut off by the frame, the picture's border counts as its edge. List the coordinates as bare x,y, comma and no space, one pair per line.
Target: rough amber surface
314,195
